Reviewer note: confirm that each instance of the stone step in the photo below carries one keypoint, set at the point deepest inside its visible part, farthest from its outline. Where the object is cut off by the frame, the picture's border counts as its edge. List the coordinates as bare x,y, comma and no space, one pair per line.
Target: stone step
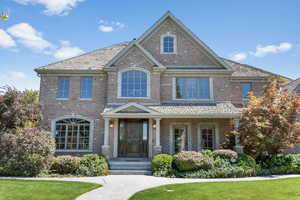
130,172
131,167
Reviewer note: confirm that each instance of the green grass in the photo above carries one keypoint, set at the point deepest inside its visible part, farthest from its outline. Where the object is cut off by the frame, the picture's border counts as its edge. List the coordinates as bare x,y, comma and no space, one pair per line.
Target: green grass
42,190
284,189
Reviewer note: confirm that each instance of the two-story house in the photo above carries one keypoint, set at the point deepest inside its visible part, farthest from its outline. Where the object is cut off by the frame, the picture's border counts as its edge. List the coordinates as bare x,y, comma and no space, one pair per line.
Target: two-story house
165,91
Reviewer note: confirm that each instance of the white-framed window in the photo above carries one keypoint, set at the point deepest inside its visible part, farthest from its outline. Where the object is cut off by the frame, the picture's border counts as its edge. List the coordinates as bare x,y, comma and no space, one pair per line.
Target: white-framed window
73,134
168,44
86,87
134,83
208,136
245,89
192,88
63,87
180,137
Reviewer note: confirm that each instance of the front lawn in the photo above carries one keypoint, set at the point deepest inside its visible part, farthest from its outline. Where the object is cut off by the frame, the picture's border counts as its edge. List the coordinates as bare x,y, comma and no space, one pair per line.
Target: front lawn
284,189
42,190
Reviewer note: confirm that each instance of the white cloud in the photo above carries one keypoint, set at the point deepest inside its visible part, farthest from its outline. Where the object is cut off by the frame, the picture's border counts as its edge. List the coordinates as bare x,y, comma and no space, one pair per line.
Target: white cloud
5,40
109,26
54,7
239,56
29,37
105,28
19,80
261,51
67,51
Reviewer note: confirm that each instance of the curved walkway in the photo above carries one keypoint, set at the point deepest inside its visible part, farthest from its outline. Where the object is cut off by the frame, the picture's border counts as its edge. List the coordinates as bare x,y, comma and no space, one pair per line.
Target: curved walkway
121,187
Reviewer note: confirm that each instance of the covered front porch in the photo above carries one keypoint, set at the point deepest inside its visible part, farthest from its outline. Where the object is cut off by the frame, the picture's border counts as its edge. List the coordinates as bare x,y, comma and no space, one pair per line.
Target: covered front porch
134,131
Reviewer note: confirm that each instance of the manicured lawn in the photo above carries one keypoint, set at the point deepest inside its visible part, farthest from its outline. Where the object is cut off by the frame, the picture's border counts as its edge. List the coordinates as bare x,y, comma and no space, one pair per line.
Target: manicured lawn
42,190
284,189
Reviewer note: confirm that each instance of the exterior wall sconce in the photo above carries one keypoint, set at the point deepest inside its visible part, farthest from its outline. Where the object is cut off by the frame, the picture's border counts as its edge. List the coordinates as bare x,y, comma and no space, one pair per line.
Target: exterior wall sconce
154,125
111,125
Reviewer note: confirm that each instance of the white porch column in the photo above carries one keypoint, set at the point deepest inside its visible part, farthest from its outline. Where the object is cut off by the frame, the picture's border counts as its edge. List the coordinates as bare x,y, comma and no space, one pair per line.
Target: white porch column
157,147
106,148
238,147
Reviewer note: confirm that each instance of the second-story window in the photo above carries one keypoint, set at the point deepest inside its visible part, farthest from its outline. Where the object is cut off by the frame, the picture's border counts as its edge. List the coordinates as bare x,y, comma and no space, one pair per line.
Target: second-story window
86,87
192,88
63,87
245,89
134,83
168,44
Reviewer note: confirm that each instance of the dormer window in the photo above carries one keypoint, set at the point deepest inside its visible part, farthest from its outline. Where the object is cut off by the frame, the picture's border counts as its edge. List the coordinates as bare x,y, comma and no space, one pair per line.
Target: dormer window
168,44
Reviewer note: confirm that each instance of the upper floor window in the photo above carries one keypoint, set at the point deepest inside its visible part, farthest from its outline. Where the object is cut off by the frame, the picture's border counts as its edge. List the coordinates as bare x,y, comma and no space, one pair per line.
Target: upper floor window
134,83
168,44
86,87
245,89
192,88
297,89
63,87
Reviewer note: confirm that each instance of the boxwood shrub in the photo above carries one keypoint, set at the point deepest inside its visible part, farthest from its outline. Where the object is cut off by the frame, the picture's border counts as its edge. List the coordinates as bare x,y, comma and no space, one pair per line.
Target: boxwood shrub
65,164
162,165
93,165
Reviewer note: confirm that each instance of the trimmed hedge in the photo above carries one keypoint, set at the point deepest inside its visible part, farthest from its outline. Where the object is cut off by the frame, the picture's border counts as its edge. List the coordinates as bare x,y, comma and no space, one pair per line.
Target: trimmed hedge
65,164
191,160
93,165
162,165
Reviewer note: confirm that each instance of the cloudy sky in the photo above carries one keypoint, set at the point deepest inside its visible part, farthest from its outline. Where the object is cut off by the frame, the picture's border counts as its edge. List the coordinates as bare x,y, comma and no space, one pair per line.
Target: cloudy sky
265,34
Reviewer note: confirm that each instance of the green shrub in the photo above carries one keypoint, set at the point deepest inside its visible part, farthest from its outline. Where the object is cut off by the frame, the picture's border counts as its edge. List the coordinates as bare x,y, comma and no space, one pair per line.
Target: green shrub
245,160
191,160
65,164
226,154
162,165
93,165
25,152
282,164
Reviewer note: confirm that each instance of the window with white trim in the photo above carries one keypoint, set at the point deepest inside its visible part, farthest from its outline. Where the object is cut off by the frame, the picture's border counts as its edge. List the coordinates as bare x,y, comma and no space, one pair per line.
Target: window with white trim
72,134
86,87
208,137
134,83
192,88
168,44
63,87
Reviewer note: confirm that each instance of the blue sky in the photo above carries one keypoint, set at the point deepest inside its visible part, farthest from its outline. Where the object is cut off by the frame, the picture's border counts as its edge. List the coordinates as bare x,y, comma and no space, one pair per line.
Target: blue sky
265,34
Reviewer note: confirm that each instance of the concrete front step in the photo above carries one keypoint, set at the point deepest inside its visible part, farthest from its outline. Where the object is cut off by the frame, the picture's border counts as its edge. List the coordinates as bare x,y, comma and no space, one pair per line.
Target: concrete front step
130,165
130,172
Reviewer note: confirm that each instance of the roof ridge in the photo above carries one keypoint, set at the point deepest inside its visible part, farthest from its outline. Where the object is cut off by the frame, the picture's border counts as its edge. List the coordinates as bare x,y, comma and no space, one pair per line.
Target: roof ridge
89,52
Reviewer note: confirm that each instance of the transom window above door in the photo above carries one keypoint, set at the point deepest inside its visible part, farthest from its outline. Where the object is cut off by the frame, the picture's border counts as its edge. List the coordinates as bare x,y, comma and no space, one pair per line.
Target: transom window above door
192,88
134,83
168,44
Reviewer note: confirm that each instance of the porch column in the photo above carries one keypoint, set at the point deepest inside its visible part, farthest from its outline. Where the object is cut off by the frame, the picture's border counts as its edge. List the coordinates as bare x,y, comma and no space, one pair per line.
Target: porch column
105,146
157,147
238,147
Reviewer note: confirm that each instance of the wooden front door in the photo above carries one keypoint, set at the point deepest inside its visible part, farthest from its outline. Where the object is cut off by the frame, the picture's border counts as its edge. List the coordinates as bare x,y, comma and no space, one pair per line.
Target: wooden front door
133,138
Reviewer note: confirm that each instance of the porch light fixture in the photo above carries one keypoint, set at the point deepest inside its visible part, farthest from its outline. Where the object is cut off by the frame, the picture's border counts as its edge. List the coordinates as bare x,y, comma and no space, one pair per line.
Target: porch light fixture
154,126
111,125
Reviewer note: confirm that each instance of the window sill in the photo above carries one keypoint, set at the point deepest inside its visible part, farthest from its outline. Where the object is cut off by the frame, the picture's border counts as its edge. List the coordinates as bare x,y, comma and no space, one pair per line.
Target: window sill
201,100
62,99
85,99
75,151
174,53
133,97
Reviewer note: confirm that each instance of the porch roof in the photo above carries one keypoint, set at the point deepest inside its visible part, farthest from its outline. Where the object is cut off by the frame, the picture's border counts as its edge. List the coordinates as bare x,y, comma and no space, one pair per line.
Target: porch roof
175,110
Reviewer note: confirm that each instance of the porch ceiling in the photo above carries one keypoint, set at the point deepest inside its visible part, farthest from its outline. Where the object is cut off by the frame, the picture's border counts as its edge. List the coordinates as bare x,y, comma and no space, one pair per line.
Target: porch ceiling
177,110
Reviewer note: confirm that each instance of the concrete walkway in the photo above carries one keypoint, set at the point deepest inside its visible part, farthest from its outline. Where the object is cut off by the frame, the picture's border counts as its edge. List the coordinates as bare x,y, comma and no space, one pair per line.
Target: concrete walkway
121,187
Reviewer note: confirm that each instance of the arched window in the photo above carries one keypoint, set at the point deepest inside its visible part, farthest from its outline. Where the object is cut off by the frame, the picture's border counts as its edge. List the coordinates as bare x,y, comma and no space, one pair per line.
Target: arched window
168,44
134,83
72,134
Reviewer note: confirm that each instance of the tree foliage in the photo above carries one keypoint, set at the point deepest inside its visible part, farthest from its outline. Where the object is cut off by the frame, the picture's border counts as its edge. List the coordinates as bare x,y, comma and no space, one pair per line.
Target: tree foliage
18,109
268,124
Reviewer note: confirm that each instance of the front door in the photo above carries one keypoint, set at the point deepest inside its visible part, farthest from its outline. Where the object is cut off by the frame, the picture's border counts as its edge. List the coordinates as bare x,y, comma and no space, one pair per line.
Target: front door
133,138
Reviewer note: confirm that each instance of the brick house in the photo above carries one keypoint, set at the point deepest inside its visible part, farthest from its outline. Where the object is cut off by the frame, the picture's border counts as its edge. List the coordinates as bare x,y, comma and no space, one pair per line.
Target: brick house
163,92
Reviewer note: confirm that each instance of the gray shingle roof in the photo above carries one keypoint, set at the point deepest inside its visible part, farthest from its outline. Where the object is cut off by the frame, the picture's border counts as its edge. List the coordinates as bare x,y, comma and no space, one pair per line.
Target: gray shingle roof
190,109
293,86
96,60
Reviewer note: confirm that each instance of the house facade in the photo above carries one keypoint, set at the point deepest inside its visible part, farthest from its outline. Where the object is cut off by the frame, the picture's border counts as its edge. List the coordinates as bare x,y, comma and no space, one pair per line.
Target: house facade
163,92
